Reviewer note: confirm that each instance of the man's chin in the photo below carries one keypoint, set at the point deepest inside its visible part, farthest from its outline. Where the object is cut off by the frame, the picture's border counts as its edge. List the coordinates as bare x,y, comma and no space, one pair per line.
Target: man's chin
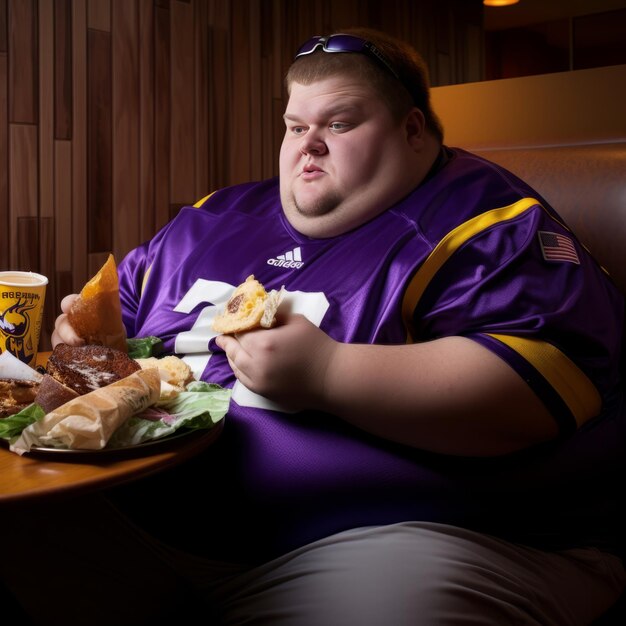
315,206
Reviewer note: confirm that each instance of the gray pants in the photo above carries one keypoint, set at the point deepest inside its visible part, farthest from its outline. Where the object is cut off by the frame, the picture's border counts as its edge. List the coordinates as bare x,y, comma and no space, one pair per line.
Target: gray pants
87,564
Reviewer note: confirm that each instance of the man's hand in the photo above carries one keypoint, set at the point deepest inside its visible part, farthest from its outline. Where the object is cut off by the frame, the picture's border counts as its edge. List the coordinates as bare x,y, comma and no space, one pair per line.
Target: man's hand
450,395
63,331
286,363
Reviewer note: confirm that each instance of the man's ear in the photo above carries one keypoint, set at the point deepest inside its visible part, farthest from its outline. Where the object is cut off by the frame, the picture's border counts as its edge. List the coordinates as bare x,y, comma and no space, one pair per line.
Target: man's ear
415,128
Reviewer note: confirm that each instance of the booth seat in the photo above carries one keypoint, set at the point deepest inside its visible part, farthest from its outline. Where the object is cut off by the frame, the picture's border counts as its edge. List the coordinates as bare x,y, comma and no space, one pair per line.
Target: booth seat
586,184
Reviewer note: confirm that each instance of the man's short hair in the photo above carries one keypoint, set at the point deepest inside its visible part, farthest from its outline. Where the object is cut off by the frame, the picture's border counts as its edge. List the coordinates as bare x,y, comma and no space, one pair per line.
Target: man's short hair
413,88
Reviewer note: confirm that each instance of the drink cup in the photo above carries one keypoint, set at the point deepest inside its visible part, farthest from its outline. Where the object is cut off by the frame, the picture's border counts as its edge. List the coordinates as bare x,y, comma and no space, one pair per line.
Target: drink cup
22,296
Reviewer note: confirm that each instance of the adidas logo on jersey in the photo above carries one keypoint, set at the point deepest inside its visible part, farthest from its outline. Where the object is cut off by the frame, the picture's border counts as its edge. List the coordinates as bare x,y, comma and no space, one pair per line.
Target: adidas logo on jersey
291,259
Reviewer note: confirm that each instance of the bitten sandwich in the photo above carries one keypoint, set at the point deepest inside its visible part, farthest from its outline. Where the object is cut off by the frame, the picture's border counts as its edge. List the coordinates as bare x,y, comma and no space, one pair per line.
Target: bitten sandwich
249,307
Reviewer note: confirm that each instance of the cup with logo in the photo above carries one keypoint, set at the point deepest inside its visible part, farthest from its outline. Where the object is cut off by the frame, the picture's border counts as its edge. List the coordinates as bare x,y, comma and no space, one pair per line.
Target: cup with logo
22,296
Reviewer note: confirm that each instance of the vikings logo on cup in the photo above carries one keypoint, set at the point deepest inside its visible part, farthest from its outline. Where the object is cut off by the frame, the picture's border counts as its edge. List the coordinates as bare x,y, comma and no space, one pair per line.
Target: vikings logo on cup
22,296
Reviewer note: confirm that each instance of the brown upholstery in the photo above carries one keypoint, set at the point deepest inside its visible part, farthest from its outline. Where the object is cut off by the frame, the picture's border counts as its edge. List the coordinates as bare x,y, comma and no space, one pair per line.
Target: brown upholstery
565,134
586,185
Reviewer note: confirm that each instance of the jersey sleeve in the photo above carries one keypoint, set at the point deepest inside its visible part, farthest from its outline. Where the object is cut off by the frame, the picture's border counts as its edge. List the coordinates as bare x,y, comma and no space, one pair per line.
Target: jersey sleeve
517,281
133,271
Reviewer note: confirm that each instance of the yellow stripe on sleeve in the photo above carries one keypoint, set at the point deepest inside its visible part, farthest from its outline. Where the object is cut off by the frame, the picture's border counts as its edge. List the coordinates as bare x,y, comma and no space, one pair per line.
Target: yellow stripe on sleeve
145,280
449,245
203,200
566,378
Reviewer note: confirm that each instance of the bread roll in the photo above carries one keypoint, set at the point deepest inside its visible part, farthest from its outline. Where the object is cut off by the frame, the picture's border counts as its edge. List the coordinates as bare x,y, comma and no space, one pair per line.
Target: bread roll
249,307
175,374
52,394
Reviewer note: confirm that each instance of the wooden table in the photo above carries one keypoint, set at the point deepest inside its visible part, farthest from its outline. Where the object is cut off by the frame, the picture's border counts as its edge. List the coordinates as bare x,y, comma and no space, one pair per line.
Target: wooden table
34,477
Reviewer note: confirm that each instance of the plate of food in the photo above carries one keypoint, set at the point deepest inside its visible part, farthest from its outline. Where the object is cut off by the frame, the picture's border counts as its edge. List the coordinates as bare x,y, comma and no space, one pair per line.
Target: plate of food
139,403
202,436
97,398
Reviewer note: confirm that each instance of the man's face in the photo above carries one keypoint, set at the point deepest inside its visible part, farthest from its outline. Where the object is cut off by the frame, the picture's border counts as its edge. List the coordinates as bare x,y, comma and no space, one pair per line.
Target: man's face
343,159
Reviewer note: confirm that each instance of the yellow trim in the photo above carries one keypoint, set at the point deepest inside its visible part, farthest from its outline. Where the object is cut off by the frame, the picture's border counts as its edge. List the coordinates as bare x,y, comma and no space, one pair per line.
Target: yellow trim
145,280
449,245
203,200
567,379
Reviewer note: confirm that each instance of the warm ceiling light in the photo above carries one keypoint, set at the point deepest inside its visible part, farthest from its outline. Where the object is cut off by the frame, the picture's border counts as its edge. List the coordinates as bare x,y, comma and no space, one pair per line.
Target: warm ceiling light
499,3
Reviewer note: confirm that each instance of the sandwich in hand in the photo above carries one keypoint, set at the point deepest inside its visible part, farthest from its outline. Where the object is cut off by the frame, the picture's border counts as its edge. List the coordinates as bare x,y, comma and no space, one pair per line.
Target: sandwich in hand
249,307
96,315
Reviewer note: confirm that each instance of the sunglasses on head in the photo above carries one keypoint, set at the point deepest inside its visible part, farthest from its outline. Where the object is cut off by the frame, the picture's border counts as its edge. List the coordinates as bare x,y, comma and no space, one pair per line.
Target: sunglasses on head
346,43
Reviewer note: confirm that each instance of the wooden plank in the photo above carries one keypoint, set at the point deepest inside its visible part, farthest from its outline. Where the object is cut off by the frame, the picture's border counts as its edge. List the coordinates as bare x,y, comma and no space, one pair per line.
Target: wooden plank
259,97
77,242
46,108
63,203
240,129
220,84
182,129
274,27
46,166
96,260
146,120
201,134
46,267
23,179
99,146
271,84
4,164
27,244
62,70
3,26
22,56
99,15
63,287
161,115
124,39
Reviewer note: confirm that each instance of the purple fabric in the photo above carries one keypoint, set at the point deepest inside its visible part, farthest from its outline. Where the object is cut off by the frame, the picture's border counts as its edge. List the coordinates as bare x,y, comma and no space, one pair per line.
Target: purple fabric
307,475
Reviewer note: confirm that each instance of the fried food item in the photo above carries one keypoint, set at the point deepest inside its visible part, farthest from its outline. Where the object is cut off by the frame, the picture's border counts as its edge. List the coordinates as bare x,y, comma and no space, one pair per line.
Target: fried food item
96,315
16,395
250,306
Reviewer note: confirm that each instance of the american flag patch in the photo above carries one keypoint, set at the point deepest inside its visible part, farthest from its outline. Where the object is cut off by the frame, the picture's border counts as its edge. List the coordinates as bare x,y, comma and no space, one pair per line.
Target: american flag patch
557,247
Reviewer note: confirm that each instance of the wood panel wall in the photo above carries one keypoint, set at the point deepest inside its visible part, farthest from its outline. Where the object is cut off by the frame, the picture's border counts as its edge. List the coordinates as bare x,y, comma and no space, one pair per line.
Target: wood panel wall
115,113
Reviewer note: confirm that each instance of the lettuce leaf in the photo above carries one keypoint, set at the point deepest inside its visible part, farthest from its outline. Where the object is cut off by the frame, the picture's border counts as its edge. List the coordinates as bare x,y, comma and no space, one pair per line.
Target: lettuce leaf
201,406
13,425
144,347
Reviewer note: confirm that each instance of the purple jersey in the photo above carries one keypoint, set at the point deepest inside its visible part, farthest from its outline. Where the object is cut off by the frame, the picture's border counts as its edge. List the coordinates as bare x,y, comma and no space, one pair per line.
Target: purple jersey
473,251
